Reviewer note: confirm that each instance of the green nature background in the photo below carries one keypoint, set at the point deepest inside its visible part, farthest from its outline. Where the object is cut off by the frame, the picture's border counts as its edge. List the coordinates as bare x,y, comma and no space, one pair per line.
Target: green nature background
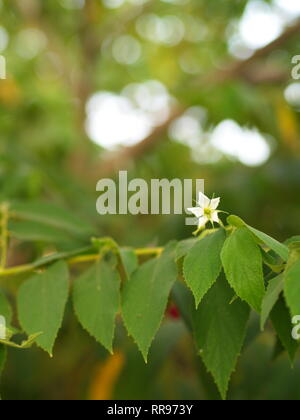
216,110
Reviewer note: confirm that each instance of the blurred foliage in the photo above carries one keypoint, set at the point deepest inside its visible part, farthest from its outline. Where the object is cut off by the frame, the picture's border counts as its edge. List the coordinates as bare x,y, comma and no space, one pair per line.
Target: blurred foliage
57,57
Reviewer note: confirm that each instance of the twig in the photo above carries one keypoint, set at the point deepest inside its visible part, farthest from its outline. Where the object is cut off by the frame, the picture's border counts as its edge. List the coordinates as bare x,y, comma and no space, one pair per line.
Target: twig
234,70
4,234
24,269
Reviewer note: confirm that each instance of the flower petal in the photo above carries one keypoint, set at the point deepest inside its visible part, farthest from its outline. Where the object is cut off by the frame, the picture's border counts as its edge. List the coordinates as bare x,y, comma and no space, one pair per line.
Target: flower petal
203,201
215,217
197,211
215,202
202,221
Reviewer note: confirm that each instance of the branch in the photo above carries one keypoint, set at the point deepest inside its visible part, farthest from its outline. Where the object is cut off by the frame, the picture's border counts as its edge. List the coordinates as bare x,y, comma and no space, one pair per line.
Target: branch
238,69
81,259
4,234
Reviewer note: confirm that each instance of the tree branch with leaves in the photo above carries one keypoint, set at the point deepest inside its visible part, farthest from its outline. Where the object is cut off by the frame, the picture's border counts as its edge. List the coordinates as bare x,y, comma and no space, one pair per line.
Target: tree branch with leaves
218,278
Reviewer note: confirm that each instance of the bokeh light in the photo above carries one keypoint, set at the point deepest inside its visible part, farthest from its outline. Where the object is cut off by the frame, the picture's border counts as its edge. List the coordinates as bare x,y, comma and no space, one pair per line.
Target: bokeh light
30,42
292,94
167,30
259,25
4,38
126,119
73,4
247,145
126,50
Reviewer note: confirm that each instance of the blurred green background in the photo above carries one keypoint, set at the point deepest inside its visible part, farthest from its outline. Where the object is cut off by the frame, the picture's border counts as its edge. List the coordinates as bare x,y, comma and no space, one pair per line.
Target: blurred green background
163,89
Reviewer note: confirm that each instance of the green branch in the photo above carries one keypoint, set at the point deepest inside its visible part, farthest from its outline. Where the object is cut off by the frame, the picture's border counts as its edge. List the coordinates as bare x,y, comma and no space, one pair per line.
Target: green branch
4,234
80,259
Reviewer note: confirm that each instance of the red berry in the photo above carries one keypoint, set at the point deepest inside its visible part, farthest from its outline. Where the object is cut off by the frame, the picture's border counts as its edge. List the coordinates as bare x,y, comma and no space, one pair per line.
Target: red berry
173,312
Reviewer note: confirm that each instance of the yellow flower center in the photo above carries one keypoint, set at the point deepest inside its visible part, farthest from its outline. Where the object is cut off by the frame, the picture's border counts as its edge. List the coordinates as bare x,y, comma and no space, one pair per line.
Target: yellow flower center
208,213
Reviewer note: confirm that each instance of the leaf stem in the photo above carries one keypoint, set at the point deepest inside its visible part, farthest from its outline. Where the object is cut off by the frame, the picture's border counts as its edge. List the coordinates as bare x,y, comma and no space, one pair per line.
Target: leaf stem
81,259
148,251
4,234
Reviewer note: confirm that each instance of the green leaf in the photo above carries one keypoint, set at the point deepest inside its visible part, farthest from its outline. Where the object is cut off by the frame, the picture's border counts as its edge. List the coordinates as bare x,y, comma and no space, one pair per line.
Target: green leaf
280,249
273,293
41,262
34,231
184,247
5,308
96,299
51,215
294,256
203,265
220,330
235,221
242,261
292,288
292,240
271,259
282,324
41,304
129,260
184,301
145,297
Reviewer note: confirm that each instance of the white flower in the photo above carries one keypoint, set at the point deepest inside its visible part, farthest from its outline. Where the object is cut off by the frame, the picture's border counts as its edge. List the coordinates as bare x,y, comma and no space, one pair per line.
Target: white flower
207,210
